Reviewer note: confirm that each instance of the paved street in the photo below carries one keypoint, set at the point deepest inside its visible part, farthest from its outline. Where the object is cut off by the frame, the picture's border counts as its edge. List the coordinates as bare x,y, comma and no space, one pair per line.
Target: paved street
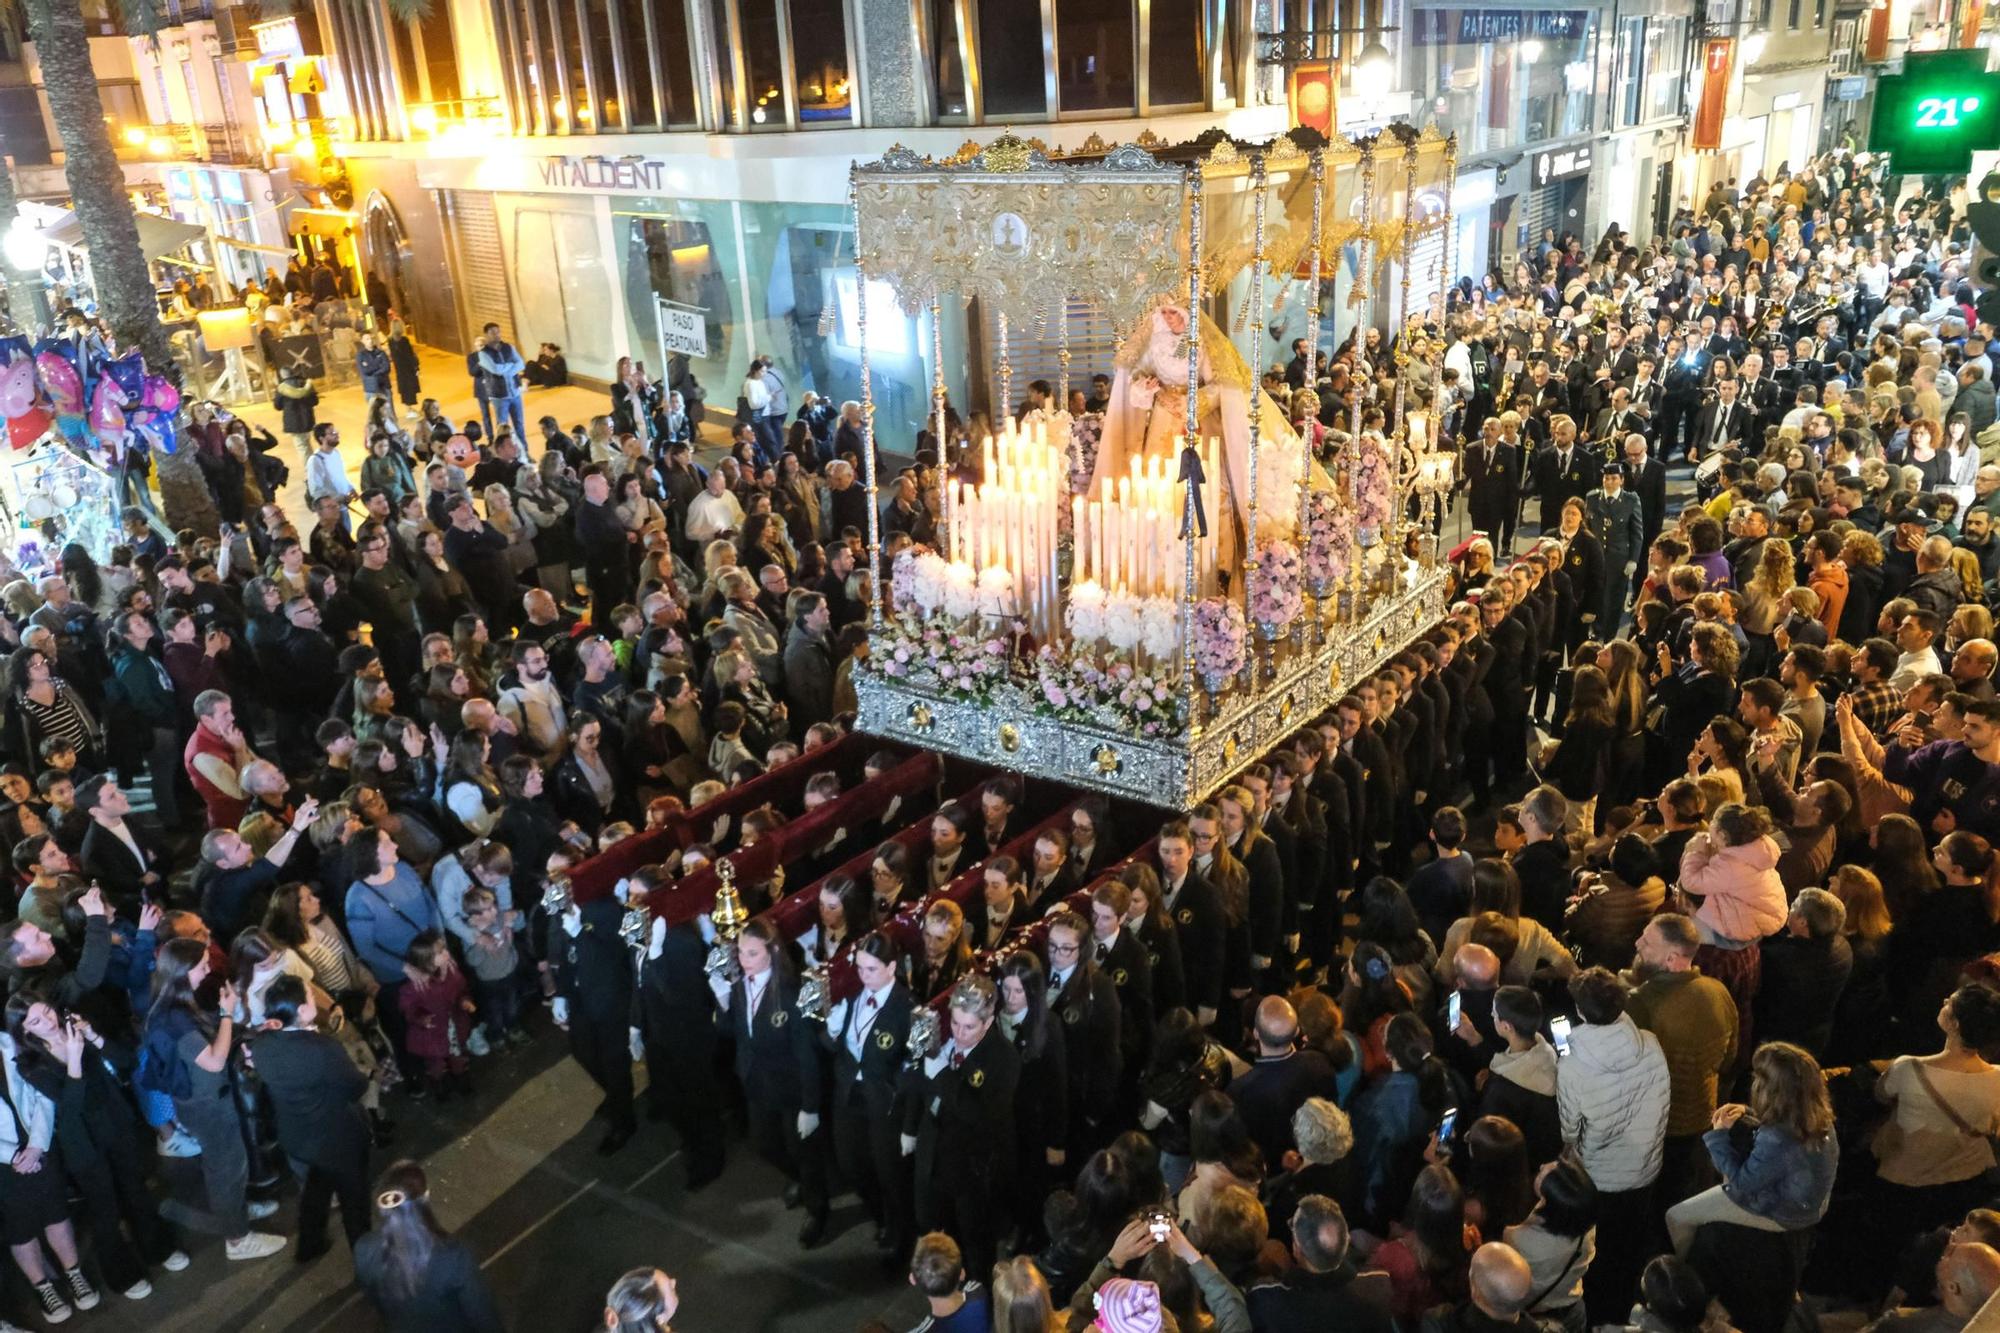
515,1173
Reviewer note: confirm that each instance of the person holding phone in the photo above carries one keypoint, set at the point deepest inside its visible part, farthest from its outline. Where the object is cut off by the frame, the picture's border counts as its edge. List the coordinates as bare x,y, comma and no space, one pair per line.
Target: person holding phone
1521,1080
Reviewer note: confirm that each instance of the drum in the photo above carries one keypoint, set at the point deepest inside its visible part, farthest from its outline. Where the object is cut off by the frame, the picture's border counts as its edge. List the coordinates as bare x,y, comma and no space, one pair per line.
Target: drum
38,506
65,496
1707,477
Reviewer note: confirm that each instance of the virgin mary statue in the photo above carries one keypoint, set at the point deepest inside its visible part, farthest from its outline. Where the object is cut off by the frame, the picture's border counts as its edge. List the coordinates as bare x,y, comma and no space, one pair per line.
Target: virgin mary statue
1146,417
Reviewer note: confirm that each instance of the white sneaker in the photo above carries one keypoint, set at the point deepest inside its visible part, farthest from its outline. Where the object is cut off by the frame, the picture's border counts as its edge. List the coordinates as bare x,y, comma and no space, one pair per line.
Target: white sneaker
181,1144
254,1245
173,1263
260,1209
139,1290
478,1044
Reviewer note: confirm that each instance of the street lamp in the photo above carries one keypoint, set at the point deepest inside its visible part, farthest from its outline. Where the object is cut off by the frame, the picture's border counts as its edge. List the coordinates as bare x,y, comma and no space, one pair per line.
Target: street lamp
1374,72
25,248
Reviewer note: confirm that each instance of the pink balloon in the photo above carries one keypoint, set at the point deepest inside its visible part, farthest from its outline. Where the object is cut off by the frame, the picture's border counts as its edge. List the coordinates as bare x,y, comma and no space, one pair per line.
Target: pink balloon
160,395
107,409
17,388
59,377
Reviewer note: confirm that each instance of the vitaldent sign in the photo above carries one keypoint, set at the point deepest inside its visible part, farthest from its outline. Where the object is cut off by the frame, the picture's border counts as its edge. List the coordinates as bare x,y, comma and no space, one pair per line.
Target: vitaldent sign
603,175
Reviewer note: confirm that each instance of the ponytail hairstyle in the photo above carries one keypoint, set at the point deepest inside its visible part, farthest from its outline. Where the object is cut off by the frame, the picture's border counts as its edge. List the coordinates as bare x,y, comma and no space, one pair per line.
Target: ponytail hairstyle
1410,1045
637,1304
410,1232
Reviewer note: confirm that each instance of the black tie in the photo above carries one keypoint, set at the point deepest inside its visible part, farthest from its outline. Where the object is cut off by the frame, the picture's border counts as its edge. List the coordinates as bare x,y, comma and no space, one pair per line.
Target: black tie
1103,951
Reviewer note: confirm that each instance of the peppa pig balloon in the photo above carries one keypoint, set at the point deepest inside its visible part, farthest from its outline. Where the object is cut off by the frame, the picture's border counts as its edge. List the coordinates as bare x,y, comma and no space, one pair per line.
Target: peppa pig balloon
59,377
107,410
30,426
17,388
160,395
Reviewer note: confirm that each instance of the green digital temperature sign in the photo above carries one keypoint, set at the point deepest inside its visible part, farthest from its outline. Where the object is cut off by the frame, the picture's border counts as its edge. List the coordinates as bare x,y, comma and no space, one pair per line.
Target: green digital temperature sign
1937,113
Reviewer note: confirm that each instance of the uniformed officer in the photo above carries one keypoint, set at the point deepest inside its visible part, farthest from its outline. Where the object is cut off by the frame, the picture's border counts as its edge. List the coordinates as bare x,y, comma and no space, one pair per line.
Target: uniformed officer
1087,1002
677,1027
864,1044
1617,520
593,967
959,1124
775,1063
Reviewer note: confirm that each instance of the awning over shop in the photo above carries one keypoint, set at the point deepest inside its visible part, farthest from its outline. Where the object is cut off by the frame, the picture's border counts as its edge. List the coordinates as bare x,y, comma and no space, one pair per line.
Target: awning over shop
158,235
252,247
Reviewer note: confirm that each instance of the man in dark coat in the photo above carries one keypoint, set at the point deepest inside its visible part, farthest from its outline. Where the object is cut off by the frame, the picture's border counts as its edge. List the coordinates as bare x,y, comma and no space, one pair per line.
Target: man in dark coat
593,969
1492,498
1280,1081
809,664
677,1026
1804,971
316,1092
1319,1293
1563,470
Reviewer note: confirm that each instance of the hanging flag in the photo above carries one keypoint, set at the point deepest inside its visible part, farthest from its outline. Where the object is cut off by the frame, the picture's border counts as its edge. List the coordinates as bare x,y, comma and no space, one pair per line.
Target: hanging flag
1718,54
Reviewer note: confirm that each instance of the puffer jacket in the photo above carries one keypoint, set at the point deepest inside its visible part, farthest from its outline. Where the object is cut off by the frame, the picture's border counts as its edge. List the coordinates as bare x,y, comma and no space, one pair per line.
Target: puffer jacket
1612,1097
1743,896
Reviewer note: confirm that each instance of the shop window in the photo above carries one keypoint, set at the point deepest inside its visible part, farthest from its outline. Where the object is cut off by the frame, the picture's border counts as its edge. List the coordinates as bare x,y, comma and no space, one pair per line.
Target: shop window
549,62
824,92
1664,74
1094,55
947,62
569,313
678,302
1176,53
1508,77
763,63
1012,81
574,43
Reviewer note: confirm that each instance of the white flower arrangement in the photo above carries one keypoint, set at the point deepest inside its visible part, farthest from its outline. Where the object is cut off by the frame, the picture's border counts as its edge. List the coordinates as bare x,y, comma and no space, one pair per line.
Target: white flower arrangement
1086,613
1160,633
996,591
961,590
1123,621
927,582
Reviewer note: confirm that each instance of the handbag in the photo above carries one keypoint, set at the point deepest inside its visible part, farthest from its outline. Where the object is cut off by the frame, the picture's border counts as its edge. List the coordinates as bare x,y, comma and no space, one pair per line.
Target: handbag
1889,1139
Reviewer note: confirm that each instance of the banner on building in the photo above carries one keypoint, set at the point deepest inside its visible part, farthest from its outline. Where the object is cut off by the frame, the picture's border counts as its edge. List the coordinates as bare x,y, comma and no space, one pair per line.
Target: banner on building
683,329
1878,34
1717,55
1309,93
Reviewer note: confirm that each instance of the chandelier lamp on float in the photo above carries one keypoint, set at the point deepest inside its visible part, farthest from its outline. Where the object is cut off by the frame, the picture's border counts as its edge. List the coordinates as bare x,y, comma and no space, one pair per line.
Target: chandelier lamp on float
1141,601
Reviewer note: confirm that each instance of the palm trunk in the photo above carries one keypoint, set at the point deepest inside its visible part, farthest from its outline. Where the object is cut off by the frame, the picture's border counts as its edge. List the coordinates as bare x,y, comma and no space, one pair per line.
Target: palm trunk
124,287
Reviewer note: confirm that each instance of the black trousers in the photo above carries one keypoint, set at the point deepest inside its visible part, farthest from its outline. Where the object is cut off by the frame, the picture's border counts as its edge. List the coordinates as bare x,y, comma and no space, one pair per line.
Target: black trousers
603,1048
774,1133
114,1190
681,1084
867,1145
345,1180
958,1199
1626,1223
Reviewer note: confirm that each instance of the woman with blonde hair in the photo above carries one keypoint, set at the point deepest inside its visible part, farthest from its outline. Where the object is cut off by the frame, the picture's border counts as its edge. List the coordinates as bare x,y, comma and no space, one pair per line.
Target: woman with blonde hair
515,526
1971,584
1862,555
1764,602
1021,1302
1861,1019
1783,1180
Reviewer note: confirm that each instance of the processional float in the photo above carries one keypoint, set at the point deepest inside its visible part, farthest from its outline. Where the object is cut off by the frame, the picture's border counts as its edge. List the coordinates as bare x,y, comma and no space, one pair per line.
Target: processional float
1142,601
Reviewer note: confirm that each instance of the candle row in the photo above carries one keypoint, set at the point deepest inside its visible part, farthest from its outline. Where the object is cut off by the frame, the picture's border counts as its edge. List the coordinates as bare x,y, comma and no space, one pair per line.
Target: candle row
1009,519
1127,536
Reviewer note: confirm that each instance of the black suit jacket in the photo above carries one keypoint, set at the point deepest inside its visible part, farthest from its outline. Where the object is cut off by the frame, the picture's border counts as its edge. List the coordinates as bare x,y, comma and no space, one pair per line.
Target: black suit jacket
963,1118
773,1045
110,862
1736,431
1130,967
1088,1007
1196,911
870,1082
1648,481
316,1091
1492,485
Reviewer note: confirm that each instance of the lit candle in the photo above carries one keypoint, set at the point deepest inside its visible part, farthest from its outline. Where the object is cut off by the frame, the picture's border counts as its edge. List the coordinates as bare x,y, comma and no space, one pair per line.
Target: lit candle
1080,565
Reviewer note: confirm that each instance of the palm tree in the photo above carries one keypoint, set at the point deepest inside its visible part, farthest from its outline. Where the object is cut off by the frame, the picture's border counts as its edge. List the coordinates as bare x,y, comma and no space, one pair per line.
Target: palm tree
125,292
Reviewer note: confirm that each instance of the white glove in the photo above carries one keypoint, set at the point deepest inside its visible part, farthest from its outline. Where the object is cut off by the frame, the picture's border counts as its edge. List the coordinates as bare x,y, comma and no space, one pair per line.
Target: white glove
1631,568
572,922
637,1044
808,1124
561,1010
1205,1015
909,1144
658,942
